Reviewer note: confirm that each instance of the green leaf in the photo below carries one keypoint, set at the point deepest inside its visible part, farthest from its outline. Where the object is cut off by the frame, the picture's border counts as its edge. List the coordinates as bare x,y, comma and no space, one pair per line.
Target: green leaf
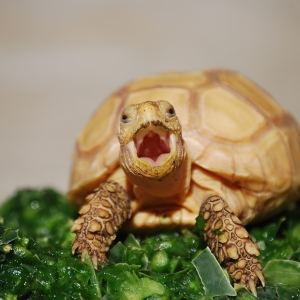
271,237
267,293
94,281
221,298
163,277
11,297
8,235
117,254
268,232
243,293
124,284
149,287
294,236
132,242
282,272
296,255
288,292
160,261
199,225
137,257
174,262
212,276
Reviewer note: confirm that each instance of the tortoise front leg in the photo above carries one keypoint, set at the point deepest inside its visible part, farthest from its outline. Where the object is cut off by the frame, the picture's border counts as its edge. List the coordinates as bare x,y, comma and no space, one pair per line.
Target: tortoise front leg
230,242
103,215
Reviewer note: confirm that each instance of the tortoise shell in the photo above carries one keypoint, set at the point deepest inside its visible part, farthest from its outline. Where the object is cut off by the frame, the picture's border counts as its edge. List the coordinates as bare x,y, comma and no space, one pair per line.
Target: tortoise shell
243,145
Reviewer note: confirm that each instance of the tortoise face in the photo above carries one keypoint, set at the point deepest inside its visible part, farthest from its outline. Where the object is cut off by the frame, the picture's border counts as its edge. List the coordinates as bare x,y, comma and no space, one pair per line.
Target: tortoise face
150,139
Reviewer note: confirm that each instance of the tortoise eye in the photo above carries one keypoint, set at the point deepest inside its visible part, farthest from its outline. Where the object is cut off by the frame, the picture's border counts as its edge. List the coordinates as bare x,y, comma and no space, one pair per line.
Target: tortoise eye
166,109
128,114
125,119
171,112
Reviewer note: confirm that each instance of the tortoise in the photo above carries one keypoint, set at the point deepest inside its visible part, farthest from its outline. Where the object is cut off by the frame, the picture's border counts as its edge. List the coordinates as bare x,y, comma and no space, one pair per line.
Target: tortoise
168,147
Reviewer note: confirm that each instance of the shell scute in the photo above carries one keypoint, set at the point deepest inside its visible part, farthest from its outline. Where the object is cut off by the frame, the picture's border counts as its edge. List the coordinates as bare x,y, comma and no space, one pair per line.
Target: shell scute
226,117
100,127
172,79
258,97
276,163
249,169
220,163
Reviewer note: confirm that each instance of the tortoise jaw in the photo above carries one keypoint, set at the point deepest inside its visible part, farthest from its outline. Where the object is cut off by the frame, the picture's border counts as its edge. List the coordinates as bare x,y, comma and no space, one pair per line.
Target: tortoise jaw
153,145
153,152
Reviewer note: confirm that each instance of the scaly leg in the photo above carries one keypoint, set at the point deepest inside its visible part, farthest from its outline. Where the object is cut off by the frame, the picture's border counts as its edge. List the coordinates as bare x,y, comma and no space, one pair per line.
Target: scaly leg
103,215
230,242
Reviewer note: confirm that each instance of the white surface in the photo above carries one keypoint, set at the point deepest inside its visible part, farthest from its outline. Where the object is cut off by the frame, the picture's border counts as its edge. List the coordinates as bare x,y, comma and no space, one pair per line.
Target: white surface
60,59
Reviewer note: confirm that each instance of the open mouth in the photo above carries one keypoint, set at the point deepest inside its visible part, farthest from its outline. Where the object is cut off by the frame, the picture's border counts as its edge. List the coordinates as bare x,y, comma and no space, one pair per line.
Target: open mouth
153,145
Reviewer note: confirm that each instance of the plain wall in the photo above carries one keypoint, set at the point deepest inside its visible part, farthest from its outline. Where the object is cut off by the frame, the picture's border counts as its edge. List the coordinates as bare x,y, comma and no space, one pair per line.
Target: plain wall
59,59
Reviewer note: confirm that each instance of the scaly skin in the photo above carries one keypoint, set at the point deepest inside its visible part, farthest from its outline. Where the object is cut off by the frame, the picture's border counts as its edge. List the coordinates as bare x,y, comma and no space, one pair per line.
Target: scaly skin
231,244
103,215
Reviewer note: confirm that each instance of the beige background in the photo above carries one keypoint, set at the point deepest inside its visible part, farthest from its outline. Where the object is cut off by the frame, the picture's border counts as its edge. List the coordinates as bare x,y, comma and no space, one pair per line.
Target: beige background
59,59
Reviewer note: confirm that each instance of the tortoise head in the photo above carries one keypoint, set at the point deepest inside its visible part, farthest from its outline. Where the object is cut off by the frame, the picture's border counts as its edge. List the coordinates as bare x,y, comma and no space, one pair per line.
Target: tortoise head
151,141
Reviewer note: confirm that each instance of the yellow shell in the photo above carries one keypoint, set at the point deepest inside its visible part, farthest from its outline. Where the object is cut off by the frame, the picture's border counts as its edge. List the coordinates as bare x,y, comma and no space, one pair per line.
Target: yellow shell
244,146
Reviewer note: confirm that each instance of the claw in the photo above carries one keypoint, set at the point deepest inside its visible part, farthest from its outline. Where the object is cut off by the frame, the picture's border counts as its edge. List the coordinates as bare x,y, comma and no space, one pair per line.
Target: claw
252,287
260,275
95,261
74,247
84,253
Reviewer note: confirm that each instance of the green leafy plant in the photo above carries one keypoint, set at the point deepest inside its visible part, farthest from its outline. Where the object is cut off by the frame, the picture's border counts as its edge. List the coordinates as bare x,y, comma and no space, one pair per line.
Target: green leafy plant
36,260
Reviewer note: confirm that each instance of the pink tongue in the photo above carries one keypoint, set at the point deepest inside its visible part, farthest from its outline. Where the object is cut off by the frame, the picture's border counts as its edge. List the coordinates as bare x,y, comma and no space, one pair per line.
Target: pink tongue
152,147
